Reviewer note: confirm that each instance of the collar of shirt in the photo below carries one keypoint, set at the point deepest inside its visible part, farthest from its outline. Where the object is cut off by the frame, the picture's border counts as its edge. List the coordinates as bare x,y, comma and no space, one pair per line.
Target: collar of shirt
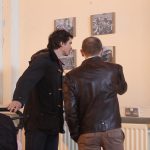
92,56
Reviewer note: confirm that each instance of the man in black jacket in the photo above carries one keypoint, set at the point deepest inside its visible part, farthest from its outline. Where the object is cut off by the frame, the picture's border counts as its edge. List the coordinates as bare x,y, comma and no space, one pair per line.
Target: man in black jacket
40,90
91,103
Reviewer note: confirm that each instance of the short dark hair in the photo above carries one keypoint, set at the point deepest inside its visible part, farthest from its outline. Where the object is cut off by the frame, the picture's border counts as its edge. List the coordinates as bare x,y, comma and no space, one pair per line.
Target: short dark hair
91,45
56,37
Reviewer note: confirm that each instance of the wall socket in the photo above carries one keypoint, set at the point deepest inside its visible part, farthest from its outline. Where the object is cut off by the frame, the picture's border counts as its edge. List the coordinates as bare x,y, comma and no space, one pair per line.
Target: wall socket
131,112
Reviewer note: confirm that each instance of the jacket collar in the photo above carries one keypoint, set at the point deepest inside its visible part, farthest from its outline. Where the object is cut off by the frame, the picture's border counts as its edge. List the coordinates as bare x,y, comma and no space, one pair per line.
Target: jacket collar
92,60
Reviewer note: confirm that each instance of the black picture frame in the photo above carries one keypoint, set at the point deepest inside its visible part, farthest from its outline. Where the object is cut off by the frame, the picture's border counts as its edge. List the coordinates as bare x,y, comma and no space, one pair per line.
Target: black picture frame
69,24
108,54
103,23
69,62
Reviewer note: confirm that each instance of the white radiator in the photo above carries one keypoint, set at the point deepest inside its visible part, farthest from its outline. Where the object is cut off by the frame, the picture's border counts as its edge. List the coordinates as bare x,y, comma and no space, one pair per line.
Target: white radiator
136,138
65,142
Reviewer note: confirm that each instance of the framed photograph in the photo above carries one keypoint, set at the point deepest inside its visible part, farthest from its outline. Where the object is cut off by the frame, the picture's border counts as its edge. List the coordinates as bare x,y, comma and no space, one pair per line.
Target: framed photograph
69,24
131,112
108,54
103,24
69,61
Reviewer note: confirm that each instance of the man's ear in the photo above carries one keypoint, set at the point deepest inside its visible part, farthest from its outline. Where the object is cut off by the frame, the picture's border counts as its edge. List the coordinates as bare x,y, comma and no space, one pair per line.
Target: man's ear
82,52
61,44
100,53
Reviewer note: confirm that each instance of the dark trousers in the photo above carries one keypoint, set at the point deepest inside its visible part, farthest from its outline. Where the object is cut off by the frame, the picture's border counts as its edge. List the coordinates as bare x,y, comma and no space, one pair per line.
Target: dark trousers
40,140
109,140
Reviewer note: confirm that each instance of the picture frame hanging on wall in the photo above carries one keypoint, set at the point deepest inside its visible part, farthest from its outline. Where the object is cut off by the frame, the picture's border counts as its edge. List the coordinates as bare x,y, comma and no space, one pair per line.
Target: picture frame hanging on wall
103,23
108,54
69,62
69,24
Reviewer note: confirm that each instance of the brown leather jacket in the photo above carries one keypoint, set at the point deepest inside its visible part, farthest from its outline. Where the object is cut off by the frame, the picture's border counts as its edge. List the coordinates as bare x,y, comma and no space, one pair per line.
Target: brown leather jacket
90,97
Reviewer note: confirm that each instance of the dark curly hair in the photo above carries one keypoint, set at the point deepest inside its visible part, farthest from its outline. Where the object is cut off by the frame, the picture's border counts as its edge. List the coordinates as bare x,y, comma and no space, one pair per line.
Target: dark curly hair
56,37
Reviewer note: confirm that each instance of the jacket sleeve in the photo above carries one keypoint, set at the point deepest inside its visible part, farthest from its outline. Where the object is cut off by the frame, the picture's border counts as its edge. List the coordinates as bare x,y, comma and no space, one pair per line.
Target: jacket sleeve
29,79
71,107
121,87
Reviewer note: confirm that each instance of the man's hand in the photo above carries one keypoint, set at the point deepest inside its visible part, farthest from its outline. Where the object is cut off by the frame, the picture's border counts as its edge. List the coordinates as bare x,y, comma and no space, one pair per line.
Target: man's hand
14,106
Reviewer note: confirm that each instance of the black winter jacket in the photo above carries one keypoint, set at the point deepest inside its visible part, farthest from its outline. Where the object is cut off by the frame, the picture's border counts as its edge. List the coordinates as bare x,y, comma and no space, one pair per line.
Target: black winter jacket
40,89
90,97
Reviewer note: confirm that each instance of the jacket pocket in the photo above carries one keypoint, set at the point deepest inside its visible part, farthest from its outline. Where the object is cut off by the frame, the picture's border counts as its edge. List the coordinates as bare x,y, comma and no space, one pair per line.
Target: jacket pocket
116,136
48,121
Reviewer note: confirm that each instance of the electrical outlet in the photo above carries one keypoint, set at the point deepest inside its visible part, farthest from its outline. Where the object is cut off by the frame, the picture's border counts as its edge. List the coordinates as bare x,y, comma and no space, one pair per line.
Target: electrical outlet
131,112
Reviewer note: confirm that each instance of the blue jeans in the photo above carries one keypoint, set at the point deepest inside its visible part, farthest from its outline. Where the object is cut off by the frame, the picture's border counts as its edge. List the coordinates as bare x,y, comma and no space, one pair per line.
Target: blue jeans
41,140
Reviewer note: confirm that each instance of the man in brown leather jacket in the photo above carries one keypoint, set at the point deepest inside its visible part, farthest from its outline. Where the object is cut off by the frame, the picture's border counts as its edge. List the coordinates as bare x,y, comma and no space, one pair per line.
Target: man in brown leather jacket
91,103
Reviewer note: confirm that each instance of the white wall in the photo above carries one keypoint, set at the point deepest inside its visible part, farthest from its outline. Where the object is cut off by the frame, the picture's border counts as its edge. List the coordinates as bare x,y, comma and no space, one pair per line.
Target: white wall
1,52
10,48
131,39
